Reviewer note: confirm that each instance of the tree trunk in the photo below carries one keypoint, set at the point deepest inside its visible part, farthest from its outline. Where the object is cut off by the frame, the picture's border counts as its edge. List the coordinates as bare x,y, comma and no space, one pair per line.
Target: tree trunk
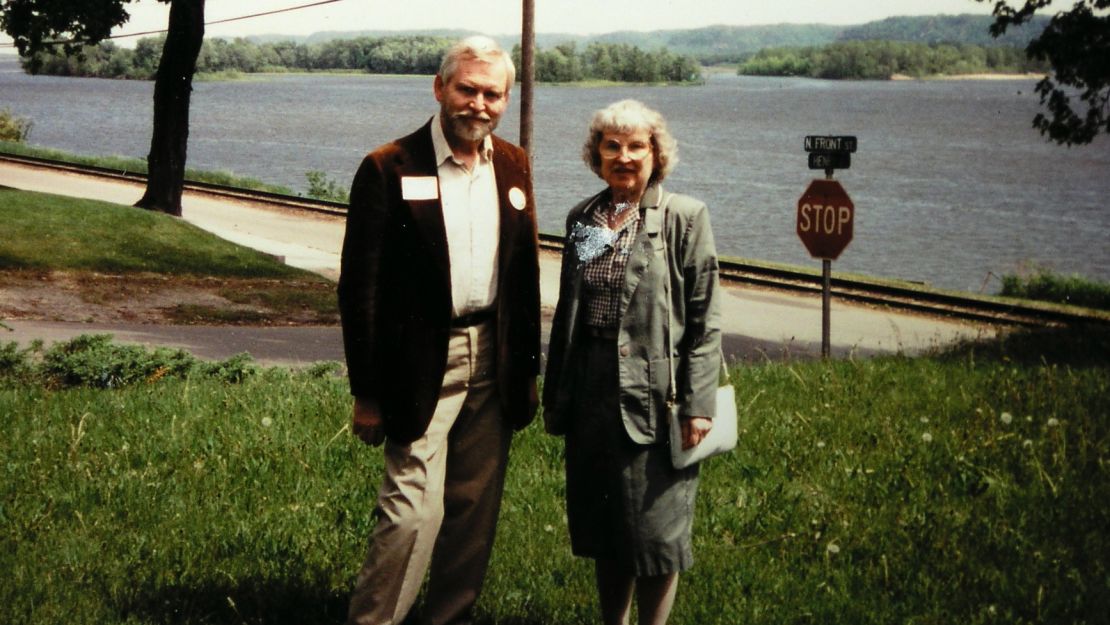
173,86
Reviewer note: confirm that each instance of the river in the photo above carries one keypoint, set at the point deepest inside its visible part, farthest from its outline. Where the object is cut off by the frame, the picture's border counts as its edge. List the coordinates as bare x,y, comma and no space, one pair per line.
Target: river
951,185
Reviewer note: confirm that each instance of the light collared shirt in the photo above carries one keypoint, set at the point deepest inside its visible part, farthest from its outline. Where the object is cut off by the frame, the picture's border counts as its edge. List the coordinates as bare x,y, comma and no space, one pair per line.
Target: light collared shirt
472,221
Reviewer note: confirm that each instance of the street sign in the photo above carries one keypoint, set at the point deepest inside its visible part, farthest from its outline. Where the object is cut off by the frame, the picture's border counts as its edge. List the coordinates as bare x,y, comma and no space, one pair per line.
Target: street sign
830,160
819,143
830,152
825,216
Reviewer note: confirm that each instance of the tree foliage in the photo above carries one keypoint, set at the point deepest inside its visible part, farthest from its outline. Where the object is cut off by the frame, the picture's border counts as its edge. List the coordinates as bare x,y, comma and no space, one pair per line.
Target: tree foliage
936,29
385,55
734,44
36,25
376,55
620,62
881,60
1076,44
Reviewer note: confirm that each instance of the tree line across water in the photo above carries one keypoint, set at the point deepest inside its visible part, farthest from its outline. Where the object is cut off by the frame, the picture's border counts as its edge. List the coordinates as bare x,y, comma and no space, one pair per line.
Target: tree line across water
565,62
377,55
881,60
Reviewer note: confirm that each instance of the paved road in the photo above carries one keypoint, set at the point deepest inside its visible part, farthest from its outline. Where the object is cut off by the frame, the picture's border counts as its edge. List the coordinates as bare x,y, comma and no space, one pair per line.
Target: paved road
758,323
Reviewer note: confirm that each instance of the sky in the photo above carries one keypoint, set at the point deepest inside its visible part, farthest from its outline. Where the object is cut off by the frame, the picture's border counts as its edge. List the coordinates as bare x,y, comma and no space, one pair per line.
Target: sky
503,17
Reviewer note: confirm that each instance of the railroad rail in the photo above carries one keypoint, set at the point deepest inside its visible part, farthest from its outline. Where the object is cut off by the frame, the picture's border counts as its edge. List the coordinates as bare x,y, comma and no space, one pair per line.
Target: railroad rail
883,293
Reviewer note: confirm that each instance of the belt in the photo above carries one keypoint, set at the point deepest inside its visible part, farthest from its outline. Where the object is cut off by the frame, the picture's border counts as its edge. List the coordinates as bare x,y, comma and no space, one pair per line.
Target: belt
473,319
603,333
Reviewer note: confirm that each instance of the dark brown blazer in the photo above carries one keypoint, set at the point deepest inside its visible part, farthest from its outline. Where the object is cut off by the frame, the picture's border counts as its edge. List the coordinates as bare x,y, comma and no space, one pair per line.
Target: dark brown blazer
395,287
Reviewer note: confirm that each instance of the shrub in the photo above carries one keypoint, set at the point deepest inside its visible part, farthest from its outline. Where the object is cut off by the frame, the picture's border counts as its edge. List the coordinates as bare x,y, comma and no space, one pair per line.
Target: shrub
1043,285
12,128
94,361
321,187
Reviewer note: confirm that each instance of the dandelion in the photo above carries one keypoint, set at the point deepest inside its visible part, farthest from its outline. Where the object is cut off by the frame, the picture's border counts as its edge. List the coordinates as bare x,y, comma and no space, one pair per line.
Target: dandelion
267,422
926,437
1006,418
1053,422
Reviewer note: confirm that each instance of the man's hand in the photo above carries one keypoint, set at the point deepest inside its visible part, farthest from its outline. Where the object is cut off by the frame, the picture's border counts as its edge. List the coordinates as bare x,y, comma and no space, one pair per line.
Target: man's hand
368,424
533,397
694,430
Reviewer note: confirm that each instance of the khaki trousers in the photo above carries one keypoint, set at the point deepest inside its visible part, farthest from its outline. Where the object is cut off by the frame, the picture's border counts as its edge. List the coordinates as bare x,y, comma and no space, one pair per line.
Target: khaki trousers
439,500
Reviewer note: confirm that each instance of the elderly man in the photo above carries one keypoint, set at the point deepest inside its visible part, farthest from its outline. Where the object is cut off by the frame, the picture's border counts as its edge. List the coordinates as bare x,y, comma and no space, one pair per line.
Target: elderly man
439,297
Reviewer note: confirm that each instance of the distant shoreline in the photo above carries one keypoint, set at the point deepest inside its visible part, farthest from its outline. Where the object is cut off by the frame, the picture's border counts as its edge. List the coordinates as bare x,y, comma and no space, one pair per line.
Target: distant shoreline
1030,76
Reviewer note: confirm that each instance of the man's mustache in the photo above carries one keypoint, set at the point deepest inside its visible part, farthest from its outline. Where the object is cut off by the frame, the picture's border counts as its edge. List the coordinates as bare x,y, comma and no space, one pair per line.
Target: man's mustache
479,117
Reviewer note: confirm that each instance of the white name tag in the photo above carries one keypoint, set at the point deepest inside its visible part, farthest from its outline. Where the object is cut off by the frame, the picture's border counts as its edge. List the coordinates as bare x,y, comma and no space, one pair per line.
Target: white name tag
419,187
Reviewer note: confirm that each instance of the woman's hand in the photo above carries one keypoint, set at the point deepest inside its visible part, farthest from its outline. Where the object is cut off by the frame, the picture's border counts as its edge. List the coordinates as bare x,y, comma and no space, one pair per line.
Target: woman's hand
694,430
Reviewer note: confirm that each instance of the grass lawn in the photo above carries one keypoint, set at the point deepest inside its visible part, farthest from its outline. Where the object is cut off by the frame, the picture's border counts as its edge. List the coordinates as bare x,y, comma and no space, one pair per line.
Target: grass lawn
966,487
112,252
138,165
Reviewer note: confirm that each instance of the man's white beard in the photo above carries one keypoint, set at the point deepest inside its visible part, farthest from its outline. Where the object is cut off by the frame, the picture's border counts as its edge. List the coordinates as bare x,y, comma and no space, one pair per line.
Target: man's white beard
468,128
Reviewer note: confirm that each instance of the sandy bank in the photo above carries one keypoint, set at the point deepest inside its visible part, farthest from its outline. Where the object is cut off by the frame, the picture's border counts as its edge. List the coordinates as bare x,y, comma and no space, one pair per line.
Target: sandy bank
971,77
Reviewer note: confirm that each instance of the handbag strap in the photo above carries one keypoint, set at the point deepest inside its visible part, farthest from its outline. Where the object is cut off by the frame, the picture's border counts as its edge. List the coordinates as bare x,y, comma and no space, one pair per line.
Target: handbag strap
672,392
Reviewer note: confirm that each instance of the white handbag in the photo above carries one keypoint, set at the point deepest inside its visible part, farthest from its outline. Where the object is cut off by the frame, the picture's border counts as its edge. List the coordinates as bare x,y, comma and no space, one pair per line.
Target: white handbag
722,436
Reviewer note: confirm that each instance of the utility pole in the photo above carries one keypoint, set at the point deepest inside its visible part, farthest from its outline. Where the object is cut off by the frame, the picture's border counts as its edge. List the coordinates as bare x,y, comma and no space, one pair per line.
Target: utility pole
527,73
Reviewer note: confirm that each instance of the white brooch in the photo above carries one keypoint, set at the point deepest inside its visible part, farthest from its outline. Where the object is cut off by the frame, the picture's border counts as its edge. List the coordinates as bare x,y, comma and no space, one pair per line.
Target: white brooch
517,198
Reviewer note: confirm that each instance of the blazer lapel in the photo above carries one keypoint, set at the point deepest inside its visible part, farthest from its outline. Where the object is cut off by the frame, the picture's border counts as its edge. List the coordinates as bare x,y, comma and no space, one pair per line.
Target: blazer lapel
580,268
510,188
427,214
645,246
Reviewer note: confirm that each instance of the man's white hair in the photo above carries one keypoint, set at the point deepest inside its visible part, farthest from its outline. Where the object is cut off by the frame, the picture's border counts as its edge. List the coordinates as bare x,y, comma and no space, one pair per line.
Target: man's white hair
477,47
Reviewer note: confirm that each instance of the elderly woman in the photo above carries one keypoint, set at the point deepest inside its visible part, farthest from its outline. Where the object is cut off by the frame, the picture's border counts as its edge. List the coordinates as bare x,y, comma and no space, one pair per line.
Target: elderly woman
628,249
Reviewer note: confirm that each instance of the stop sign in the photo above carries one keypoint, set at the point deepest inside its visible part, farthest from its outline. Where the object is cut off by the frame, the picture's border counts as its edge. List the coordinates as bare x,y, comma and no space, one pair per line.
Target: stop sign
825,214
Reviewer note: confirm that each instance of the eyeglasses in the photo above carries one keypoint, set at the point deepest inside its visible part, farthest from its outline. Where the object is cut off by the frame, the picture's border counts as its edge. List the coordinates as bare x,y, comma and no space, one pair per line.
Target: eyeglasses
636,150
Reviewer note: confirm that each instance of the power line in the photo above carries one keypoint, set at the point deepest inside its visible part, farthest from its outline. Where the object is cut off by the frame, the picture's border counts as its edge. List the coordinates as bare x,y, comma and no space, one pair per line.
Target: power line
223,21
286,10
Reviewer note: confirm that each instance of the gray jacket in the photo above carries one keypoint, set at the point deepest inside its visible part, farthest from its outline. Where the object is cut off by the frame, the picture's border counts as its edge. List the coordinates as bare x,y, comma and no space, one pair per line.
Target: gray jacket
691,266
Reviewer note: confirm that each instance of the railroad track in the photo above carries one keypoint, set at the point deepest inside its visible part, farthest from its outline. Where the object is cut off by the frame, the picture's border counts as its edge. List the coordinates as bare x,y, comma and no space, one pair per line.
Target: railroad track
883,293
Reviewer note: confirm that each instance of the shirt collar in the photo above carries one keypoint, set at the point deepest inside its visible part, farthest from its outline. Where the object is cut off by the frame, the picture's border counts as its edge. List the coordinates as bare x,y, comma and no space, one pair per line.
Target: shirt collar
443,149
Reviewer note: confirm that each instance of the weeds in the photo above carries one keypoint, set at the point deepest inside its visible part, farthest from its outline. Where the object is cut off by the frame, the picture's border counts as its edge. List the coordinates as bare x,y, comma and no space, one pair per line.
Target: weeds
1046,286
321,187
95,361
12,128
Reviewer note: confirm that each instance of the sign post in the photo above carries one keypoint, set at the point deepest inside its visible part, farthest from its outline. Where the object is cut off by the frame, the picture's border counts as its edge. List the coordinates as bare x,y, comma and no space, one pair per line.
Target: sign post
826,215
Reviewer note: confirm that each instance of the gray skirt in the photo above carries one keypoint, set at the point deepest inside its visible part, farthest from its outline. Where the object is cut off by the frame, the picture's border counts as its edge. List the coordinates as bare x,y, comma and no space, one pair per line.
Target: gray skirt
625,502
